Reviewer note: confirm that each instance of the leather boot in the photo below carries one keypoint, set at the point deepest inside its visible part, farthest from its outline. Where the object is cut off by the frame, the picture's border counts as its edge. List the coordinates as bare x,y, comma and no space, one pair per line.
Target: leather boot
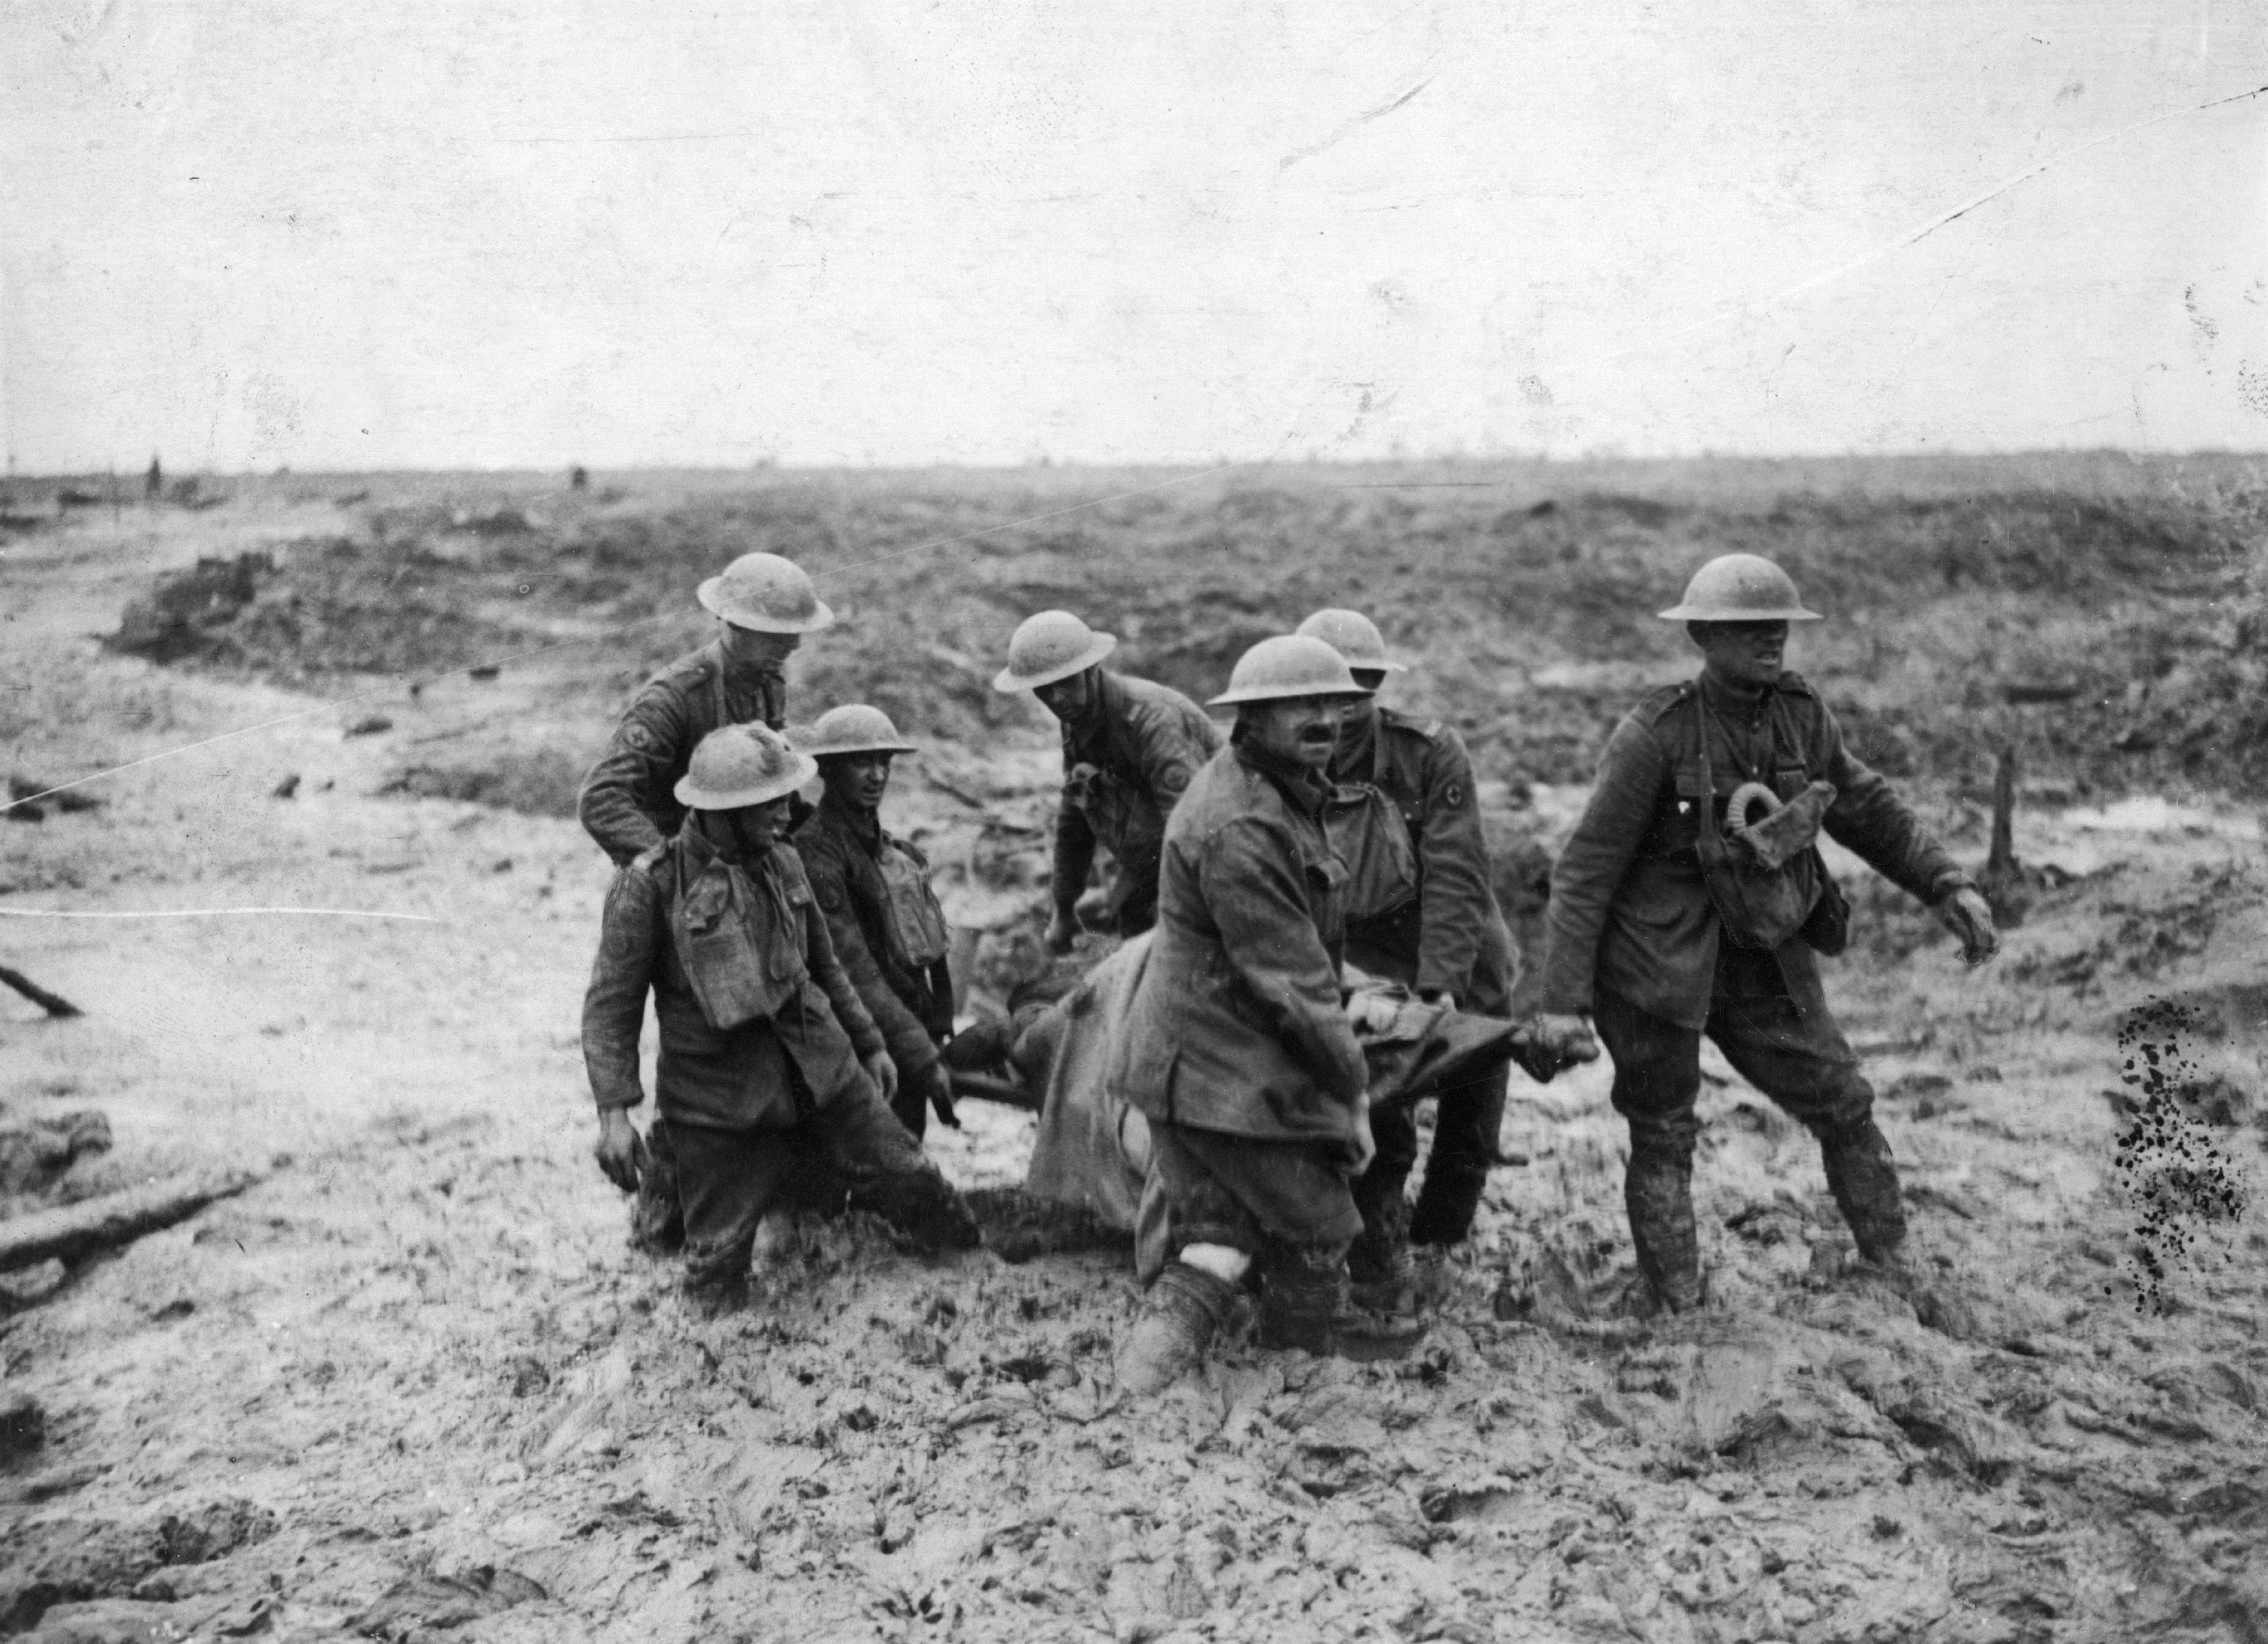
1378,1261
1658,1192
1184,1310
1865,1183
1446,1204
1304,1304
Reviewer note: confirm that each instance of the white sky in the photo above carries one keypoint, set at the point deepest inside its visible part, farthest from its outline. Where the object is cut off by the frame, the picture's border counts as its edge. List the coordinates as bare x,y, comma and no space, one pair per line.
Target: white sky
440,234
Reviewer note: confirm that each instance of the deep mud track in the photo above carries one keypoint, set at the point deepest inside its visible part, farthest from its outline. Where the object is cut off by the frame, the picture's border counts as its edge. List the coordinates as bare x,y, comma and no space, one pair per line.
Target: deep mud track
414,1385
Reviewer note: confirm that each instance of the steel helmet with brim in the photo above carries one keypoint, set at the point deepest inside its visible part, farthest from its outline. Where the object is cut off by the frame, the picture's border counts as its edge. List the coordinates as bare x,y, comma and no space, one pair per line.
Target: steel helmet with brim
1354,636
853,727
1285,666
1050,646
1741,588
740,765
767,593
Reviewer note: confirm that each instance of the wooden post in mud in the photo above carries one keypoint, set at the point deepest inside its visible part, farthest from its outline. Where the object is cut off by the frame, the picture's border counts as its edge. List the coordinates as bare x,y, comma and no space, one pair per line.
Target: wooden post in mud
2003,877
54,1004
67,1232
2000,862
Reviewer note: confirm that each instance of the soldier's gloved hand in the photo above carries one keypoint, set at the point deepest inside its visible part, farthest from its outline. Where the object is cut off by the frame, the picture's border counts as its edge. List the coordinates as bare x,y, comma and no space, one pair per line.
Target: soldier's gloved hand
1567,1039
620,1151
1969,916
884,1073
1063,930
939,1091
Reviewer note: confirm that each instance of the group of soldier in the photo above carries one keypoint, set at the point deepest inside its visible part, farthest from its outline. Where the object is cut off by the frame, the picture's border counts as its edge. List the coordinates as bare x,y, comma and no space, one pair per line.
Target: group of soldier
797,957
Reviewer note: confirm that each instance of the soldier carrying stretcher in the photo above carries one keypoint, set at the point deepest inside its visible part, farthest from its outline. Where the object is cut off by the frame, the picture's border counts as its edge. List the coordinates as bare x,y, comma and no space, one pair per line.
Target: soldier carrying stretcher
1237,1049
1129,747
1420,912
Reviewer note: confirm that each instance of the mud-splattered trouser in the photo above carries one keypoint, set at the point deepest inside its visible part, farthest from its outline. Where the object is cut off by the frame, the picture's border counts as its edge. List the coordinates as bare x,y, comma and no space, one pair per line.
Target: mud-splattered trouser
657,1215
728,1179
1283,1203
1466,1123
1466,1119
1767,1014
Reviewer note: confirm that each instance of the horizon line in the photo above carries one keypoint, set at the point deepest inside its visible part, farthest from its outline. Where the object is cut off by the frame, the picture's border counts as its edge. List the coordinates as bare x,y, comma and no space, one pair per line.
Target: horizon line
2139,456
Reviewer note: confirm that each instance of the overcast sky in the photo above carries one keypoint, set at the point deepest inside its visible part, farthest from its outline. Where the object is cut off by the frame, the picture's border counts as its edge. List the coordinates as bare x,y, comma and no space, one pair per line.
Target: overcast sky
358,235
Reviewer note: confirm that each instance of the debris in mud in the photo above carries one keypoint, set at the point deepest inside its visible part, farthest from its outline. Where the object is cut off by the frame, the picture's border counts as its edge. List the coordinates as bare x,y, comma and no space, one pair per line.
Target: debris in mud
494,521
30,1285
71,800
288,787
407,1608
183,616
2173,1172
35,1153
535,782
23,1425
54,1004
368,725
70,1560
70,1231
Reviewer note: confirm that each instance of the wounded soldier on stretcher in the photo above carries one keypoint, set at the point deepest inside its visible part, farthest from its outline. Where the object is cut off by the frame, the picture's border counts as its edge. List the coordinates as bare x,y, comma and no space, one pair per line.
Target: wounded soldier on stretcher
1091,1159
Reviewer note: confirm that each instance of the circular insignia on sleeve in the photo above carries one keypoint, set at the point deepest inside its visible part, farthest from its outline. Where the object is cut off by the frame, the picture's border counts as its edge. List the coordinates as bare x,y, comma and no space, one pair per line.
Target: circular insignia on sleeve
636,735
1455,795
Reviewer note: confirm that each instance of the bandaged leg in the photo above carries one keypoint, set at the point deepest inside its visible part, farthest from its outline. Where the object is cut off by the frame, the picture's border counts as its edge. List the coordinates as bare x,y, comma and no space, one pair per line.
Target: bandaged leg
1224,1262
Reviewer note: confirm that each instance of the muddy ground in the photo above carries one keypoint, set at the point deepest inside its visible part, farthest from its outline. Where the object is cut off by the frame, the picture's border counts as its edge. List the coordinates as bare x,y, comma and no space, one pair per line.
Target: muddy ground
413,1384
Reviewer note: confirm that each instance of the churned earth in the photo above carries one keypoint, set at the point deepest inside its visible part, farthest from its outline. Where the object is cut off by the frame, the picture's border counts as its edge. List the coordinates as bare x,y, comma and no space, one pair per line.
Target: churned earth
413,1384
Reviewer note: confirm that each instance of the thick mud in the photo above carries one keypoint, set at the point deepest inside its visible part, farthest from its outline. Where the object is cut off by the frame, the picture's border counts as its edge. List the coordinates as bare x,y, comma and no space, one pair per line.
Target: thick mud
413,1384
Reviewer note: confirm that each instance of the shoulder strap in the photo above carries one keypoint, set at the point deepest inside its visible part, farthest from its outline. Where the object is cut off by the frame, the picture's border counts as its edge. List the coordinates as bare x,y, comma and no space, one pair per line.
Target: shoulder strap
1708,842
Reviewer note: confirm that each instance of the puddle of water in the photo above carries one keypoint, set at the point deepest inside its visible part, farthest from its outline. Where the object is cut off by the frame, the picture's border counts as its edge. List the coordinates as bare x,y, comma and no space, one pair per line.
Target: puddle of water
2151,814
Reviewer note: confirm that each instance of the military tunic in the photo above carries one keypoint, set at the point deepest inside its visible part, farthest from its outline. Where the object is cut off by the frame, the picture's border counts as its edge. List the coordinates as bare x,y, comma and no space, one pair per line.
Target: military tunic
735,1076
901,975
1139,744
1448,937
771,1096
626,803
1635,939
1236,1047
1631,915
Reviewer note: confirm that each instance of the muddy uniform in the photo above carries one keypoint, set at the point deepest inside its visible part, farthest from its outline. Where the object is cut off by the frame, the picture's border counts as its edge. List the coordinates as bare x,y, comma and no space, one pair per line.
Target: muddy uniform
626,802
627,806
1431,923
1237,1049
1635,940
889,935
1125,766
761,1032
